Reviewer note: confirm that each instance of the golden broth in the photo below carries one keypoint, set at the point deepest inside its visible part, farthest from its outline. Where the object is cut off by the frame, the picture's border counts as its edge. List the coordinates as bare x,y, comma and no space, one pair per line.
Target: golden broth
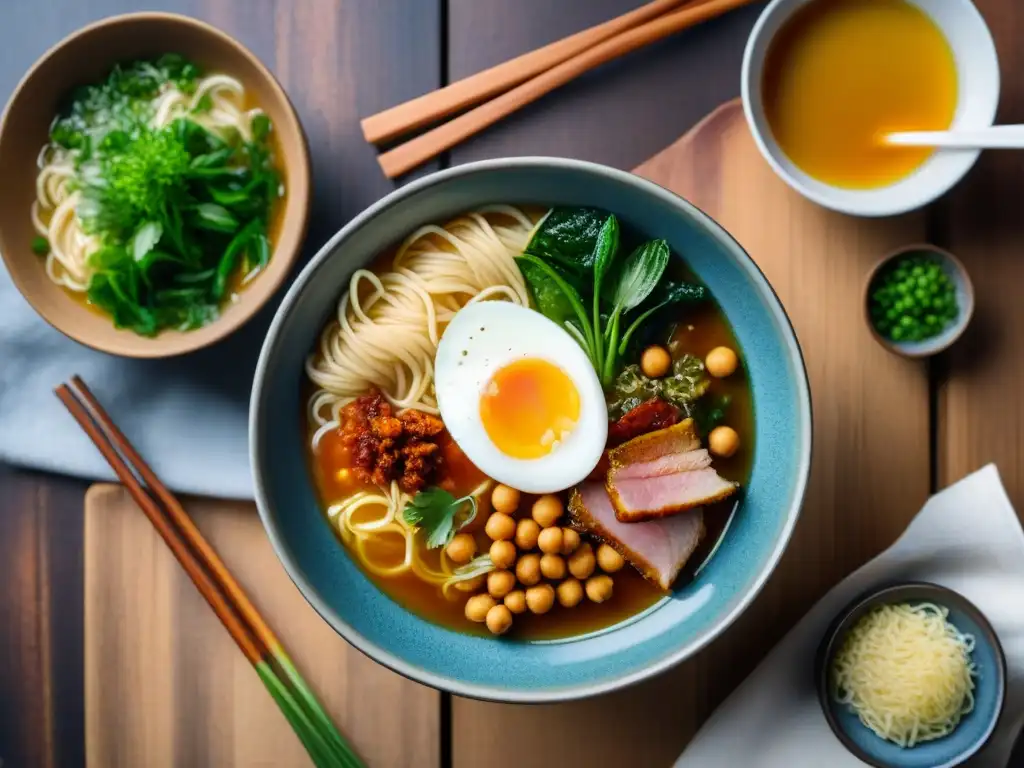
840,73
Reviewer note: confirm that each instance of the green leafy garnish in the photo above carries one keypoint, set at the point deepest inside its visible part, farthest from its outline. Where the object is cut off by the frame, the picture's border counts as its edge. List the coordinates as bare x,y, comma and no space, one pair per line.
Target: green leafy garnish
437,513
686,384
570,262
40,245
180,211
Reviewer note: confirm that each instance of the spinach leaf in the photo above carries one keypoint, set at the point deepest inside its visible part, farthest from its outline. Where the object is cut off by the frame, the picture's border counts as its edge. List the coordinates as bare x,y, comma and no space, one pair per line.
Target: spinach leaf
556,299
640,275
604,254
567,237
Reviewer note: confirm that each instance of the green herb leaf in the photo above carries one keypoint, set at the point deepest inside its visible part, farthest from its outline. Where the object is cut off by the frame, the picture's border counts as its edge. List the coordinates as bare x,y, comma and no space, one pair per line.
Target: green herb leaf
667,294
145,239
436,512
640,275
215,217
260,127
40,245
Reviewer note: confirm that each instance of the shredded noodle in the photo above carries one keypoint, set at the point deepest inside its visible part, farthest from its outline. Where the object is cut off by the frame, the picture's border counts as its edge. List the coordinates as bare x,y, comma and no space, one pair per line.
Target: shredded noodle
906,672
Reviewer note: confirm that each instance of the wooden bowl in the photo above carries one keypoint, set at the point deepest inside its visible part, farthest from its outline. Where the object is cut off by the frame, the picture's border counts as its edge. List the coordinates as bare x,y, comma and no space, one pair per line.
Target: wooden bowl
956,272
85,57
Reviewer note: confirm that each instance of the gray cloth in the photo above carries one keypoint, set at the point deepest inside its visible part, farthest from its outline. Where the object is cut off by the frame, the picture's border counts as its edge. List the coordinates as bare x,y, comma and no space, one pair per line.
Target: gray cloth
187,415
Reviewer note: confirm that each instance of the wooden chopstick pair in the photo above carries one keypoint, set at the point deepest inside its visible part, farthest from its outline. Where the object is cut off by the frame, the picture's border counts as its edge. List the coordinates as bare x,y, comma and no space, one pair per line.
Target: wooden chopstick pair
326,747
524,79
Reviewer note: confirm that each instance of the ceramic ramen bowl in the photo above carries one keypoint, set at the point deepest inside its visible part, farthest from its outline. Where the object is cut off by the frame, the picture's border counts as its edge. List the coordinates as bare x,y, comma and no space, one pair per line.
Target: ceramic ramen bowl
513,670
977,70
85,57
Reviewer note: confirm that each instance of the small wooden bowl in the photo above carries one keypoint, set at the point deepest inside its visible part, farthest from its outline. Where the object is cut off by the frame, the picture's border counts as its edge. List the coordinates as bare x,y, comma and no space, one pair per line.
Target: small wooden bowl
85,57
956,272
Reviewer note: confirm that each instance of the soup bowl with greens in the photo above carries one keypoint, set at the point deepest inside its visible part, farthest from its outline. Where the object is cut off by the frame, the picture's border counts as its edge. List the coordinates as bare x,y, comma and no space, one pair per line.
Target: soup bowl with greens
156,185
530,429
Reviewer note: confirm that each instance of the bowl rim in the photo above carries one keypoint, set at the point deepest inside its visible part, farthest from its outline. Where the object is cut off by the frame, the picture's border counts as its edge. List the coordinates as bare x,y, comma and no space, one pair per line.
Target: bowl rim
300,172
867,204
884,594
257,435
964,315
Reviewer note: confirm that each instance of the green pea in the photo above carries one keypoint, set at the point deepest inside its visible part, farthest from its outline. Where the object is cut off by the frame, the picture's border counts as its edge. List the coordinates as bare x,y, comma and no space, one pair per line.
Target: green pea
906,321
897,334
891,314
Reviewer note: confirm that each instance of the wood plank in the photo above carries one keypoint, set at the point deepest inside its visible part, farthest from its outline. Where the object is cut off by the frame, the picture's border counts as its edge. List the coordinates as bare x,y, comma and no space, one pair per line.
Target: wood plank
40,620
164,683
338,60
870,471
980,410
620,114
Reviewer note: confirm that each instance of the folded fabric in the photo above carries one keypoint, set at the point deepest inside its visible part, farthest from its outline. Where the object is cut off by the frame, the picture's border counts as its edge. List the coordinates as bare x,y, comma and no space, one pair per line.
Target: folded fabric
187,416
773,720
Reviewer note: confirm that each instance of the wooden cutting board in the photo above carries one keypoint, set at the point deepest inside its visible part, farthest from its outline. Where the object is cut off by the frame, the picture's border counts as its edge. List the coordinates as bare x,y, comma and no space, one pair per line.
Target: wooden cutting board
166,686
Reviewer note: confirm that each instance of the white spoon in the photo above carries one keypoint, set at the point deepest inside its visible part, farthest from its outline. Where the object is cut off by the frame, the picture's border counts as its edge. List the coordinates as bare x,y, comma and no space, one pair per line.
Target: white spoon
993,137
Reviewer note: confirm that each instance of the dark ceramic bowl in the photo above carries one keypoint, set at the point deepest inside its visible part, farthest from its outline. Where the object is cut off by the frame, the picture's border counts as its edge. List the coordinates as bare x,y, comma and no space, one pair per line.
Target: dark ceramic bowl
973,730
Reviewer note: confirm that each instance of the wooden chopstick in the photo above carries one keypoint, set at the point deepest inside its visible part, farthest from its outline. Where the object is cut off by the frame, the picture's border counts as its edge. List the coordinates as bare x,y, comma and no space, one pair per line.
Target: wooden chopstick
202,564
430,107
417,151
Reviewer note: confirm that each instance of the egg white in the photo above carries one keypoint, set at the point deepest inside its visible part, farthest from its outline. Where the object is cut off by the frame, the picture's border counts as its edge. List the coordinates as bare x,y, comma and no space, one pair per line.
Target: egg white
489,335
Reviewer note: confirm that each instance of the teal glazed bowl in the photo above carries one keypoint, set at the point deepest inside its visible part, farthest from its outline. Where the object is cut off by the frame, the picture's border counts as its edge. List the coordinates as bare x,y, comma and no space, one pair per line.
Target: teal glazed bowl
506,669
973,731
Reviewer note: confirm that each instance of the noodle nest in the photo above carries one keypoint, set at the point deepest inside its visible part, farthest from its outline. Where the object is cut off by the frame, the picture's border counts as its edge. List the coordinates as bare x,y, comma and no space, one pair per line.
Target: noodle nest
906,672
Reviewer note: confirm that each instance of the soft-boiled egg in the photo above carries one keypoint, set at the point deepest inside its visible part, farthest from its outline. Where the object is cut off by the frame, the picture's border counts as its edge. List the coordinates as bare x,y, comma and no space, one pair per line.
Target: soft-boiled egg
520,397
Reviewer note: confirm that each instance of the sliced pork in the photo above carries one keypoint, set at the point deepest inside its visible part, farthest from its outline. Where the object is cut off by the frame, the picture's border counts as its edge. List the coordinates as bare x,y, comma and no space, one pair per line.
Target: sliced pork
658,549
666,465
650,498
679,438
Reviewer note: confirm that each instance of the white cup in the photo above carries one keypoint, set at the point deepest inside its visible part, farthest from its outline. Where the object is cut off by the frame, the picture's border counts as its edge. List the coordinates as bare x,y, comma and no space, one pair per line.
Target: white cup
978,96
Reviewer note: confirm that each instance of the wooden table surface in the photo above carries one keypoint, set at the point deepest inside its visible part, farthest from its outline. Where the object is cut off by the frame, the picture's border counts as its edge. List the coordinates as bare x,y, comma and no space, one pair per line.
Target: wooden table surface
343,59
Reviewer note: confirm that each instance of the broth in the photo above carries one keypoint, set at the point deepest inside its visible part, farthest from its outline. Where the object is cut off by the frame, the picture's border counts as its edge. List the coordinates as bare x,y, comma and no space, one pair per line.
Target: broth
699,331
840,73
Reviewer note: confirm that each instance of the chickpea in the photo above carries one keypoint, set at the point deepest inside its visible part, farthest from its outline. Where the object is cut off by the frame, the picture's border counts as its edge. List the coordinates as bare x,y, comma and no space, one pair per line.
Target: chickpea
553,567
655,362
570,593
477,607
721,362
570,541
581,562
503,554
546,510
527,532
723,441
599,588
500,526
461,548
608,559
470,585
550,541
500,583
540,598
499,620
528,569
504,499
515,601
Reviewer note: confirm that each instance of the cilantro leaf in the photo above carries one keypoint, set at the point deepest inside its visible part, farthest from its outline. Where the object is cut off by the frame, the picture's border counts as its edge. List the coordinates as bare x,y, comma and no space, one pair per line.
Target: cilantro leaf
436,512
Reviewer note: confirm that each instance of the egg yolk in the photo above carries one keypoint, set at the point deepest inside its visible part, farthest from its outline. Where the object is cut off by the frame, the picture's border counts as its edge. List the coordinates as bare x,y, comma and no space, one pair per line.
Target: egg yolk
528,407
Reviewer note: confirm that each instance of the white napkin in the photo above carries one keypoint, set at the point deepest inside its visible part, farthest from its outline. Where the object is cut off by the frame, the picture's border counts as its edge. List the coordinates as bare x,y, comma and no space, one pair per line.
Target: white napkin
966,538
187,416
